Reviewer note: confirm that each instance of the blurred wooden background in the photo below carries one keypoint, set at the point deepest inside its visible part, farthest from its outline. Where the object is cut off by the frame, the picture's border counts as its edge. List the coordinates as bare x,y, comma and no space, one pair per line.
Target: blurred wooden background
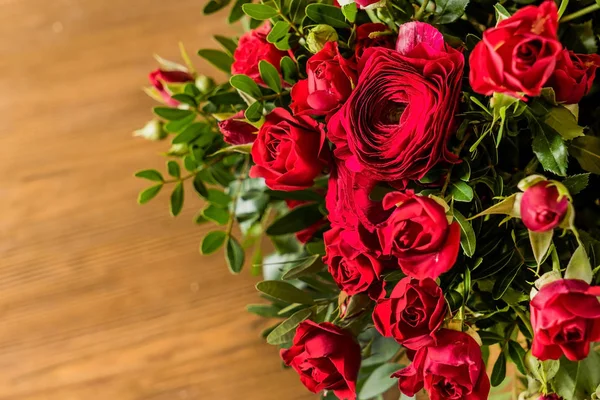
102,299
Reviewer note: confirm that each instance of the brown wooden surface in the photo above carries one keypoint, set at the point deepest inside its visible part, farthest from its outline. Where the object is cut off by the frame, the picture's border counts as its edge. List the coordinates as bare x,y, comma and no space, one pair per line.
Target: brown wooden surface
101,298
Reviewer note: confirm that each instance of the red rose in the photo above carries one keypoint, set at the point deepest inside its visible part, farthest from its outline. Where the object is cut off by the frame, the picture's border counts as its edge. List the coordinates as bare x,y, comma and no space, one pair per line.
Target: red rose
565,315
354,267
541,209
417,233
396,123
373,35
412,314
551,396
252,48
519,54
159,77
326,357
574,75
329,83
306,234
453,369
288,151
236,130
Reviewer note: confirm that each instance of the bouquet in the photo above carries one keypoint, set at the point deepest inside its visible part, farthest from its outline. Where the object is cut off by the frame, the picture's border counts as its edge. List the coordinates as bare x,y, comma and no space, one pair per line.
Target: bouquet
427,175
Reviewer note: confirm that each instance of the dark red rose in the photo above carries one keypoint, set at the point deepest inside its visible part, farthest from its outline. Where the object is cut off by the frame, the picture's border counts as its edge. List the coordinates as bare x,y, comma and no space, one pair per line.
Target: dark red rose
326,357
412,314
289,151
355,267
417,233
329,83
373,35
565,315
519,54
396,123
159,77
236,130
306,234
541,209
573,76
252,48
452,369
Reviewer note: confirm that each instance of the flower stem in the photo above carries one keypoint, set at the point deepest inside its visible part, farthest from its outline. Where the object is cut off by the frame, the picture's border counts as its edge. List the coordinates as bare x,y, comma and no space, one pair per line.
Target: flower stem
421,11
289,21
581,13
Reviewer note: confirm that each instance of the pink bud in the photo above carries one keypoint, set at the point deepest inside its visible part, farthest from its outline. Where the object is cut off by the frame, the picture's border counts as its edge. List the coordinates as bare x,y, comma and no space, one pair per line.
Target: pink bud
541,209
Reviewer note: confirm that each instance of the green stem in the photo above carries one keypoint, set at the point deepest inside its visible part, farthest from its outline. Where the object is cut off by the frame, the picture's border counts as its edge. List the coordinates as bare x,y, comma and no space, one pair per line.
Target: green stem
236,196
419,14
196,172
289,21
581,13
563,7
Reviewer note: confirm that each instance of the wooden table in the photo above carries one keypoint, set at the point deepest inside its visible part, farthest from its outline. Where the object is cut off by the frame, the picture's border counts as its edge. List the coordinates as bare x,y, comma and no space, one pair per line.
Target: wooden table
101,299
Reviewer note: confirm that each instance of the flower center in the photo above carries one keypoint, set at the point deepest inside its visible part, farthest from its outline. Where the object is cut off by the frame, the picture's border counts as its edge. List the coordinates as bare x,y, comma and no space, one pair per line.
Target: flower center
545,216
413,315
448,389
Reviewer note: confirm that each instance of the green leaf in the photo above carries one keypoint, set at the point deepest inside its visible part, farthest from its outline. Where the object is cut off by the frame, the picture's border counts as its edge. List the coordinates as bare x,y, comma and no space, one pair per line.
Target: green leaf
185,98
517,355
294,221
179,124
259,11
541,370
245,84
263,310
303,268
285,331
382,350
236,148
326,14
564,122
579,266
226,99
234,255
298,10
586,150
501,12
379,381
212,242
540,243
150,174
173,169
549,148
284,291
171,114
254,112
219,59
269,75
461,191
218,197
200,187
216,214
508,206
463,170
578,380
499,371
576,183
214,5
489,338
236,11
504,281
228,44
148,194
448,11
176,202
289,70
278,31
350,11
467,234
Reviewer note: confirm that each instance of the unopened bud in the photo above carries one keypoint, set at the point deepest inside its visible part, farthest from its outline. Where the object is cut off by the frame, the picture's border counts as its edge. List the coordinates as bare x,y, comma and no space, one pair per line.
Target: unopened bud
318,36
153,130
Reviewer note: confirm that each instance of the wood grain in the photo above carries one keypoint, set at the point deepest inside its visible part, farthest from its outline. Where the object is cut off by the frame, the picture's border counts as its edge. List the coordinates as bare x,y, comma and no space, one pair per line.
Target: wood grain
101,298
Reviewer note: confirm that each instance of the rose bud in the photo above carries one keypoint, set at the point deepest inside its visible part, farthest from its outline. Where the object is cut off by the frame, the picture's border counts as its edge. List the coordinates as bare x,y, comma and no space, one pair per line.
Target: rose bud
354,267
319,36
397,121
289,152
153,130
329,83
326,357
373,35
573,76
205,84
412,314
417,233
565,316
159,77
542,207
252,48
306,234
452,369
519,54
237,131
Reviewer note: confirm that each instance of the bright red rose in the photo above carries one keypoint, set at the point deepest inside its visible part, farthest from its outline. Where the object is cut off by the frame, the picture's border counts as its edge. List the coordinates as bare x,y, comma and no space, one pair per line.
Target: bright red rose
541,209
329,83
289,152
574,75
565,315
306,234
159,77
396,123
236,130
354,267
412,314
252,48
417,233
326,357
373,35
519,54
452,369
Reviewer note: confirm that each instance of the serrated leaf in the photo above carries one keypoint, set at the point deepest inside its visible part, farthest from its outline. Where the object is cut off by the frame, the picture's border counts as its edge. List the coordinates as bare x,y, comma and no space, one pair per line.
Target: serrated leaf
326,14
176,201
148,194
586,149
379,381
278,31
540,243
303,267
284,291
564,122
448,11
549,148
576,183
218,58
499,370
259,11
295,220
216,214
270,75
171,114
246,85
467,234
234,255
228,44
461,191
212,242
285,331
173,169
517,355
150,174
